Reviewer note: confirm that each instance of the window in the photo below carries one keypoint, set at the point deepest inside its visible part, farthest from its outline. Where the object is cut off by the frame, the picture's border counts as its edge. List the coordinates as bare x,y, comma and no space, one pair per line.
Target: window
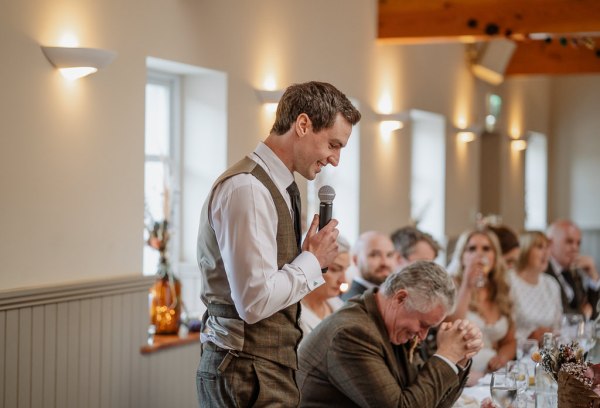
536,182
428,173
186,150
161,178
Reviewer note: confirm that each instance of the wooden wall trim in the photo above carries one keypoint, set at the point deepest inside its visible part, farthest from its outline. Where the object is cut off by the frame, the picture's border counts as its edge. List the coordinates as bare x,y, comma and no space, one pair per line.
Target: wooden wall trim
15,299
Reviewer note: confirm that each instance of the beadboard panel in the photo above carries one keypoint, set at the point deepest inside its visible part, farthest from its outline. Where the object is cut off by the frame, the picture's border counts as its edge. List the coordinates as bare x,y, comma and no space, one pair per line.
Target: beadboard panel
79,346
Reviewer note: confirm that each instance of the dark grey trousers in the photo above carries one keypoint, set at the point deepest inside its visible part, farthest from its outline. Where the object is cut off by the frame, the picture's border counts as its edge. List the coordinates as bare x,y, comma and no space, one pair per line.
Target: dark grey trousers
232,379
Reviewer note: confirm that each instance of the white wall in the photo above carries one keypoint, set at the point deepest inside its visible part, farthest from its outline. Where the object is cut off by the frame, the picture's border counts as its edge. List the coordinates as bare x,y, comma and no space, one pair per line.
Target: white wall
71,155
575,153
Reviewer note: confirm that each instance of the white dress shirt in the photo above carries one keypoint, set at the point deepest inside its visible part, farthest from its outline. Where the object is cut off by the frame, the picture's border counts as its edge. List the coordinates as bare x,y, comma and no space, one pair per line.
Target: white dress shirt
245,222
588,283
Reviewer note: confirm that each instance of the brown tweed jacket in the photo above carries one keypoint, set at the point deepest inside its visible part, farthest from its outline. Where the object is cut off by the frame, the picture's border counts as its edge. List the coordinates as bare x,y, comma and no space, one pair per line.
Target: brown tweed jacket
348,361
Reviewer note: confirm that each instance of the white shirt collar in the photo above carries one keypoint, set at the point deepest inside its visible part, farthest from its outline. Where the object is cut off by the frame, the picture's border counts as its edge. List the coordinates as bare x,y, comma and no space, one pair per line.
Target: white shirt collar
556,268
276,169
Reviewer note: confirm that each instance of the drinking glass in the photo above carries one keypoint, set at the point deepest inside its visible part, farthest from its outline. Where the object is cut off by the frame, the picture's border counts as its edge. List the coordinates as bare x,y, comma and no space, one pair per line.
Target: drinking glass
503,389
525,350
586,334
569,327
519,372
480,282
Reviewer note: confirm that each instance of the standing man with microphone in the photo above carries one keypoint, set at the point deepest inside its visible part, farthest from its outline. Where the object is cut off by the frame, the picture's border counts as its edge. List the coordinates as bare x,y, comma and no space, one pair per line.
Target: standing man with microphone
254,268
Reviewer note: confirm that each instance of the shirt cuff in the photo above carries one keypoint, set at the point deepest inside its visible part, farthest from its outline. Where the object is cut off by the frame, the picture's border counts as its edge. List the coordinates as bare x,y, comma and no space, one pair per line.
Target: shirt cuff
450,363
589,283
309,265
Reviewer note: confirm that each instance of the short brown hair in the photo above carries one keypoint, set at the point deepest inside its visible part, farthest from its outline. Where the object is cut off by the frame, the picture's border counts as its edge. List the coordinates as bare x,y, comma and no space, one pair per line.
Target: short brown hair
319,100
406,238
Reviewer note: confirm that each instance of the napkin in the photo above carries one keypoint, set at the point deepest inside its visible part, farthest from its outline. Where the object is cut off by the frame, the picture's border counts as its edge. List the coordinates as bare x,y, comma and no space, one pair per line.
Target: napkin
466,401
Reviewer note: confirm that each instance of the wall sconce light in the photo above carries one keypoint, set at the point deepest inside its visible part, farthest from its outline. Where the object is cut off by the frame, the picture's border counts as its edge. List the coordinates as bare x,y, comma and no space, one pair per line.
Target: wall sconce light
390,122
468,134
74,63
269,98
518,144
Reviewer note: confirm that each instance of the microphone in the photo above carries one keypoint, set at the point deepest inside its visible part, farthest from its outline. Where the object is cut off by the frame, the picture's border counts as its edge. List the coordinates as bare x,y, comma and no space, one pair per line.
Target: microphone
326,195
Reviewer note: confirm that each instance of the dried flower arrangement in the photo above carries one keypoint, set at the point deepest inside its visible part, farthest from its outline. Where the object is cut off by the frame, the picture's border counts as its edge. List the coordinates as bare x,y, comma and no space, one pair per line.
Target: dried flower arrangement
578,381
552,360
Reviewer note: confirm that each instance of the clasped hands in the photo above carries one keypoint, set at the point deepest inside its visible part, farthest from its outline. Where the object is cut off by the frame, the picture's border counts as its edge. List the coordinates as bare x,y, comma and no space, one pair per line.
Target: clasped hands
458,341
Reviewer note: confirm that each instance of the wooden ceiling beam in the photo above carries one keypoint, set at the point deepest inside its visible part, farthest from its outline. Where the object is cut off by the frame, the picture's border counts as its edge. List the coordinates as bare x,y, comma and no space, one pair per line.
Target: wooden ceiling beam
539,57
447,20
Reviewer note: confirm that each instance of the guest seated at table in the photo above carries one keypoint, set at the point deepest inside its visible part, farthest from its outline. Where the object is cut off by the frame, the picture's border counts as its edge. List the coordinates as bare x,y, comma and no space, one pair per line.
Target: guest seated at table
483,297
509,245
348,360
537,306
576,273
324,300
375,258
412,244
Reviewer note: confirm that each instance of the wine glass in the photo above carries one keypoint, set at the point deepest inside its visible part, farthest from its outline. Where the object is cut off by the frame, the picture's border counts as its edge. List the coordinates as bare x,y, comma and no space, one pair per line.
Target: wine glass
519,372
503,389
586,334
570,325
480,282
525,350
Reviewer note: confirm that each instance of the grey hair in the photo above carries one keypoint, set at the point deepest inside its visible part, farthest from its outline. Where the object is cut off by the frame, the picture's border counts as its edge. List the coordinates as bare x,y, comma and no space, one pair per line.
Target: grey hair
557,226
427,283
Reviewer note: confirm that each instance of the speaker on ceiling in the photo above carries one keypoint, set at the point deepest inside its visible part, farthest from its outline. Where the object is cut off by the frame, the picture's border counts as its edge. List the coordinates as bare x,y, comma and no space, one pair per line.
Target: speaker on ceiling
492,60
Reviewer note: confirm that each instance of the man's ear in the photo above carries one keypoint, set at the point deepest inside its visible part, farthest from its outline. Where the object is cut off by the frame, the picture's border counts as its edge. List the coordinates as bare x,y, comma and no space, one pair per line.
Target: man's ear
302,124
401,296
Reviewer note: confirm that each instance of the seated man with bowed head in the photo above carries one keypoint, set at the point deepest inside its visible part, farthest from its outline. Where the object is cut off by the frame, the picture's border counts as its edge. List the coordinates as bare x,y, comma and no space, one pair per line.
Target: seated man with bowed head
348,360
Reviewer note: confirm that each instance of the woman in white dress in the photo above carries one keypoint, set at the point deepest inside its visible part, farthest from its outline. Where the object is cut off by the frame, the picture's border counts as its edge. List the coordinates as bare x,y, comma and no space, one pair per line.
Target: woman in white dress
537,306
324,300
483,298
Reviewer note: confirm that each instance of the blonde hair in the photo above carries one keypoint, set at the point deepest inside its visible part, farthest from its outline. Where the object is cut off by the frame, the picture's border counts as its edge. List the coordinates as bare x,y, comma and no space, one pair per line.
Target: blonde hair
499,289
527,241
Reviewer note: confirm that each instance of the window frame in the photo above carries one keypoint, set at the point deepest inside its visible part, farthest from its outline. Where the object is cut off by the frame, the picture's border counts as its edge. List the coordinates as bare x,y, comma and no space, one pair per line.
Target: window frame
173,83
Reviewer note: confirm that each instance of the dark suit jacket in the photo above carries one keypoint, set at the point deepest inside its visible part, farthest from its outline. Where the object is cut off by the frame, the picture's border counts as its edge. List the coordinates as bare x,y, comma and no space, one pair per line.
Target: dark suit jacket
348,361
589,296
355,289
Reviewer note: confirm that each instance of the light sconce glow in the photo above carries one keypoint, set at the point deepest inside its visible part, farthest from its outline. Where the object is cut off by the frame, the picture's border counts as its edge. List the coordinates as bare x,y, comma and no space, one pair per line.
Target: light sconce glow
385,104
388,126
269,83
466,137
515,132
74,63
389,123
467,134
518,145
